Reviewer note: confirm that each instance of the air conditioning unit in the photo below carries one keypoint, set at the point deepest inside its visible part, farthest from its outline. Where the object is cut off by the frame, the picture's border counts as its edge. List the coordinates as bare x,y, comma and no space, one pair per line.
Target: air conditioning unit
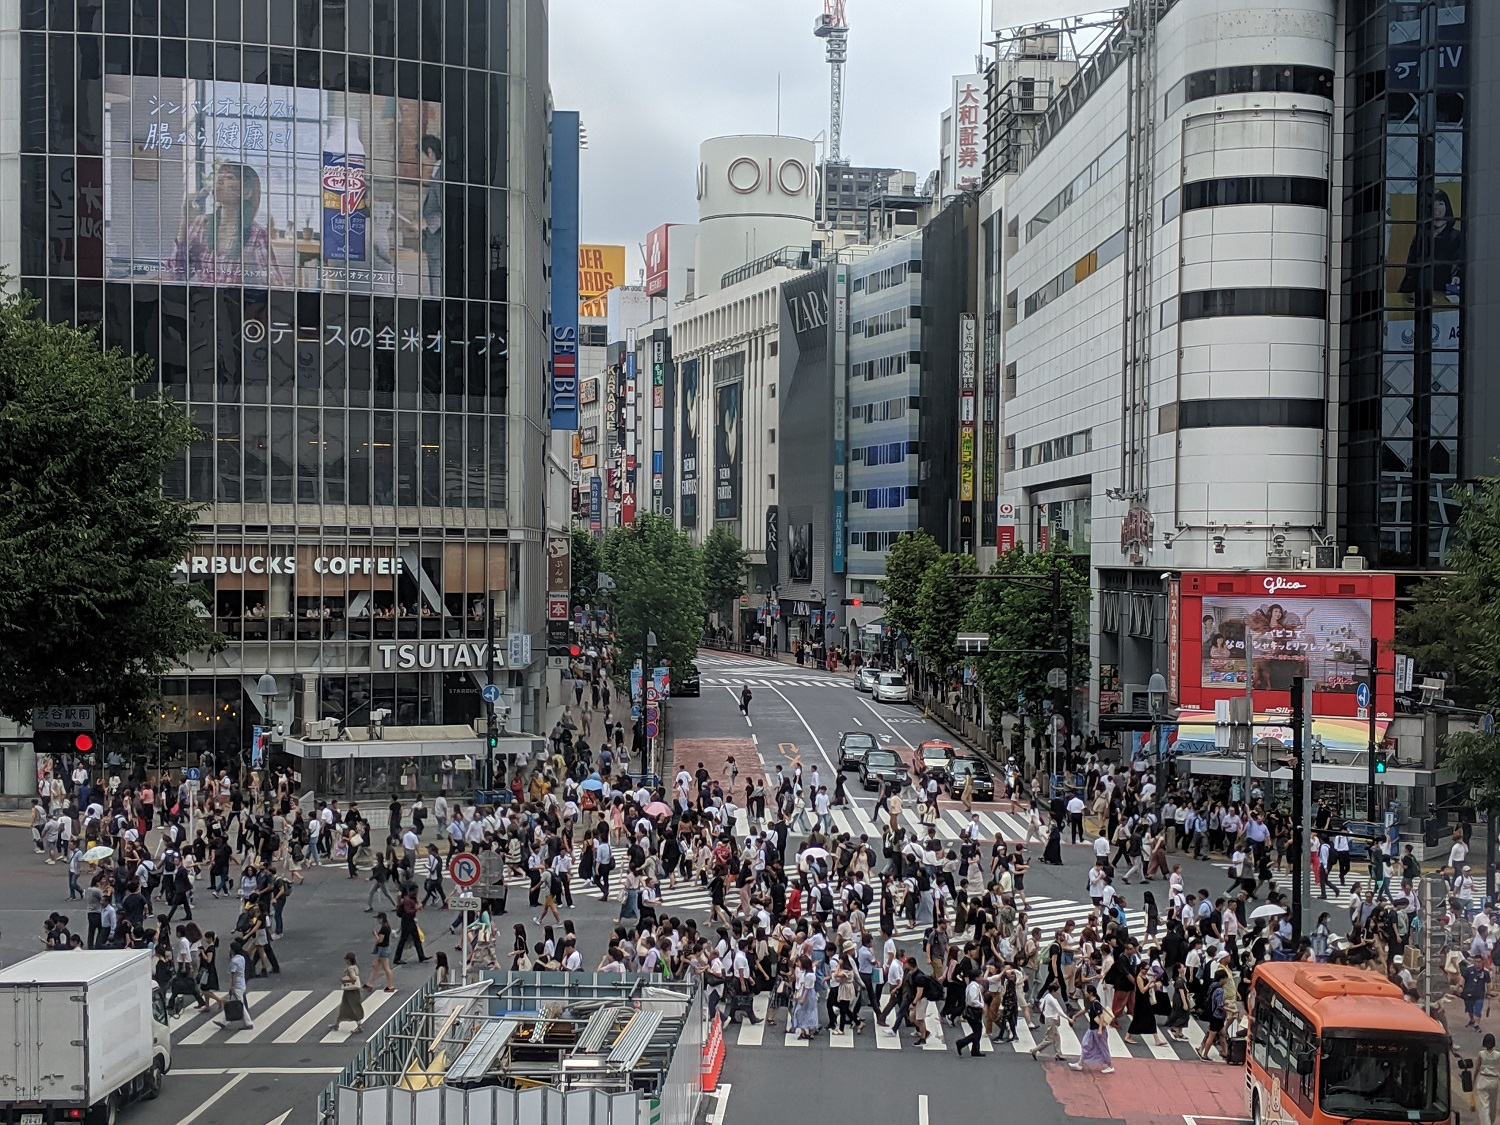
1278,560
1353,560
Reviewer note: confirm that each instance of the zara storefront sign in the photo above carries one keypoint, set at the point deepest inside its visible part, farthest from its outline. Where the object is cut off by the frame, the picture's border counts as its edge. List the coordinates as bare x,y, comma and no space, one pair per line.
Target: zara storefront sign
437,655
287,564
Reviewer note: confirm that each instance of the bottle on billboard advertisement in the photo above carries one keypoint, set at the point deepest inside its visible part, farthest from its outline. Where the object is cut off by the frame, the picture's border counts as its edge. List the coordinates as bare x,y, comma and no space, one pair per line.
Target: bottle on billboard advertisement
344,202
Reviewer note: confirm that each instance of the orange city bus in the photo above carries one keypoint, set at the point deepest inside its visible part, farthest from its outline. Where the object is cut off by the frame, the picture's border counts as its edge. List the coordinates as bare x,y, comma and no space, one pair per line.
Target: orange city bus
1334,1045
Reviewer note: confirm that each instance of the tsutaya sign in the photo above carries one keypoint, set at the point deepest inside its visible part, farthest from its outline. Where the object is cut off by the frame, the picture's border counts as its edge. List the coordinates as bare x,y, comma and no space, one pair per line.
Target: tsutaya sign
287,564
438,654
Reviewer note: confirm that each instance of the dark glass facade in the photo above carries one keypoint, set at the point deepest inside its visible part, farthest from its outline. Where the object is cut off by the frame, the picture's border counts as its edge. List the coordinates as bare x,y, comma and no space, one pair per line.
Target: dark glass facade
1407,384
303,214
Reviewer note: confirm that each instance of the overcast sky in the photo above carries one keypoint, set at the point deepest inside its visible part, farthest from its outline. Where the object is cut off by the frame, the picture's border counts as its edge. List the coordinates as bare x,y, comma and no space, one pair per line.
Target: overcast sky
653,78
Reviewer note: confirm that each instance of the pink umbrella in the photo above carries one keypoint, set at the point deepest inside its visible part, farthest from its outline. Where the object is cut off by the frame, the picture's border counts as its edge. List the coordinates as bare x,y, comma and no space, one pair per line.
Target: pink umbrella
657,808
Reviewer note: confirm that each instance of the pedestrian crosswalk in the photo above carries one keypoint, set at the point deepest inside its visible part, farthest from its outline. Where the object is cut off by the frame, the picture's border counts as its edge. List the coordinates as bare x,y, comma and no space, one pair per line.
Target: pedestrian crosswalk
295,1016
755,680
1046,914
941,1037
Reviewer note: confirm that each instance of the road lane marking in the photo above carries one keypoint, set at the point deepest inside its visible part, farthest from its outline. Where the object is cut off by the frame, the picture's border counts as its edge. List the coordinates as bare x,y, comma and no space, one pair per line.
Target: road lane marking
264,1020
209,1101
818,742
921,1109
735,696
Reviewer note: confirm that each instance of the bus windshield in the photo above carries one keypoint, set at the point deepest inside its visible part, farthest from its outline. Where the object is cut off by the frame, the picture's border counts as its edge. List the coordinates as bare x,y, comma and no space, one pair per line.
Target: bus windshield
1396,1079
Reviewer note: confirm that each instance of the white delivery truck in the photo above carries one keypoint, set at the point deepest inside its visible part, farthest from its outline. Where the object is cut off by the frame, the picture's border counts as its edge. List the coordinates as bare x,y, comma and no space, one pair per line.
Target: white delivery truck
82,1033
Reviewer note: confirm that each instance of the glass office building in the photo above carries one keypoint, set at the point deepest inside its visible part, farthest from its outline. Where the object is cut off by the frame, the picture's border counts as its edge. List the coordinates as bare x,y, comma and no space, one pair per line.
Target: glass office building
324,223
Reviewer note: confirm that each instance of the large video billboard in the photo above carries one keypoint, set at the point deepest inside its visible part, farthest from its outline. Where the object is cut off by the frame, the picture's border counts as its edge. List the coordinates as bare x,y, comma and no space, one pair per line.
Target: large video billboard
687,501
729,436
1320,625
231,183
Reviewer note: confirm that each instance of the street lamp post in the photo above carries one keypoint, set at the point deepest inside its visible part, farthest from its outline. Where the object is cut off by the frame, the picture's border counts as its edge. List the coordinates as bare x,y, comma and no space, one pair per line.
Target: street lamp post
267,690
1156,691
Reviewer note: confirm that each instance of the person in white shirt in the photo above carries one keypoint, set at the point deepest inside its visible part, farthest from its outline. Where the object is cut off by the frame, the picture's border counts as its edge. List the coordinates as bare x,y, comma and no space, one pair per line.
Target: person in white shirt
409,844
821,807
1053,1015
1075,821
440,812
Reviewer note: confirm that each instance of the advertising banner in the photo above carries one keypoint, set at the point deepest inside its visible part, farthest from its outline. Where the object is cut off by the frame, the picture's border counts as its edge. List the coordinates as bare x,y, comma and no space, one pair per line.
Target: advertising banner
799,553
729,436
656,260
230,183
596,505
600,269
687,503
1268,629
773,544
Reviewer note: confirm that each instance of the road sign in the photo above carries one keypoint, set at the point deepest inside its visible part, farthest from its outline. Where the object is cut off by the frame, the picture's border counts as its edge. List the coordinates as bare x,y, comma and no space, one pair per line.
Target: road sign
192,785
62,718
652,729
635,710
193,773
1487,724
1057,678
651,694
464,869
490,693
464,902
1362,695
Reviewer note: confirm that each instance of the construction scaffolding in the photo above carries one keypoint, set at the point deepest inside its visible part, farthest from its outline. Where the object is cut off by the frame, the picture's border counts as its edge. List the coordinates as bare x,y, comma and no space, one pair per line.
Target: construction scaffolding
528,1049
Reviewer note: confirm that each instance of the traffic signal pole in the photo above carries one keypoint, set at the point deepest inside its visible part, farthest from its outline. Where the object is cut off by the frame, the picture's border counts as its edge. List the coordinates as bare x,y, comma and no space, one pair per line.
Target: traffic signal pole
491,734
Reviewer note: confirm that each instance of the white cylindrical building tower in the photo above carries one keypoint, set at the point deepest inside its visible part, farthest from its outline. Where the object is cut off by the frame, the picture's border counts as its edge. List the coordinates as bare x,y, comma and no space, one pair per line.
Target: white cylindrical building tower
756,194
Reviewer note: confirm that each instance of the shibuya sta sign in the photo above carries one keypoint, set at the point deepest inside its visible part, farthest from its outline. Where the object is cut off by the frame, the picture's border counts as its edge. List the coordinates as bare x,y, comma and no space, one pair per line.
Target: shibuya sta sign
445,655
287,564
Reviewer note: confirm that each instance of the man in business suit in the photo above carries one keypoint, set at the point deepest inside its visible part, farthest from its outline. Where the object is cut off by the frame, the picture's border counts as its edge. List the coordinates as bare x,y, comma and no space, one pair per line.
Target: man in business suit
432,216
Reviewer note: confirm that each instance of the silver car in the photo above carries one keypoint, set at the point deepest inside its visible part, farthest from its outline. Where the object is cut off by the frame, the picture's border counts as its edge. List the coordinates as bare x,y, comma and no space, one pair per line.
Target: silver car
892,687
865,681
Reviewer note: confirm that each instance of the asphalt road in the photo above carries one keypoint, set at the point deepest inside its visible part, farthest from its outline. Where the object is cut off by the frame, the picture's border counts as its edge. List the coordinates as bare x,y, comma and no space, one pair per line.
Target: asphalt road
275,1073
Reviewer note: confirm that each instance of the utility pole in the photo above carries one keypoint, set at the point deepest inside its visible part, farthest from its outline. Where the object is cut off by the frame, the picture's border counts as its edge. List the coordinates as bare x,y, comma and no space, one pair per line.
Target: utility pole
1298,807
491,733
1374,808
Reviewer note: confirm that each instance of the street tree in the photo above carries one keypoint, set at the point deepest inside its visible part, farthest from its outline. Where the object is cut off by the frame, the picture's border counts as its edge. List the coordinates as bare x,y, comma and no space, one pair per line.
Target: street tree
90,609
725,564
1028,634
1453,626
658,587
905,564
942,599
585,560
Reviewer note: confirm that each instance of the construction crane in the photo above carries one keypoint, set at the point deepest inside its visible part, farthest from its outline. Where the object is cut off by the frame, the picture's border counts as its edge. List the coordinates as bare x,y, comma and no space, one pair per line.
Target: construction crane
832,27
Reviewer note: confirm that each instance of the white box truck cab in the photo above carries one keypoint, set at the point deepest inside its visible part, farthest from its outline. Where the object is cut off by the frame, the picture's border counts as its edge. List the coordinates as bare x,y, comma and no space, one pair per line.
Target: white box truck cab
82,1033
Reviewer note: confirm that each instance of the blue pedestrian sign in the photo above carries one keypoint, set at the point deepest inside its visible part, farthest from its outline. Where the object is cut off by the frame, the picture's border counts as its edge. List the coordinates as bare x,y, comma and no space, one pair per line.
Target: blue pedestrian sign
192,773
490,693
1362,695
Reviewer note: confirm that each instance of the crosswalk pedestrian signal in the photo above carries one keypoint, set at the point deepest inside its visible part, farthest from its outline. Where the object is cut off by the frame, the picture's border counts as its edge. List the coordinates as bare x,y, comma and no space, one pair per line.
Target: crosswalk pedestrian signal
1380,763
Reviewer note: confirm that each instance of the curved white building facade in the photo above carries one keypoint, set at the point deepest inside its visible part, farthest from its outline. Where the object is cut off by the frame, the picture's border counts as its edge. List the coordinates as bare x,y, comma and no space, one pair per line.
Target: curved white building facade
756,195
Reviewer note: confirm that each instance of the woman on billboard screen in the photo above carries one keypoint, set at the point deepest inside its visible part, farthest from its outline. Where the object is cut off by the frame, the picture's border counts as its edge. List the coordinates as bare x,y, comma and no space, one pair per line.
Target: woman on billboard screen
221,242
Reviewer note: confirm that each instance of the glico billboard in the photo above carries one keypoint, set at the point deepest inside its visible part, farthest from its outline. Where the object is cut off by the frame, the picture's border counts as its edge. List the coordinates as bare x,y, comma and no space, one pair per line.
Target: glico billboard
1267,629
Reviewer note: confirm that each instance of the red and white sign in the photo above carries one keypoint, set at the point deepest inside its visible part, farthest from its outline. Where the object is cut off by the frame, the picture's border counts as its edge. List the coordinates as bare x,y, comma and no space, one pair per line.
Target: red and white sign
557,609
656,260
463,869
1264,630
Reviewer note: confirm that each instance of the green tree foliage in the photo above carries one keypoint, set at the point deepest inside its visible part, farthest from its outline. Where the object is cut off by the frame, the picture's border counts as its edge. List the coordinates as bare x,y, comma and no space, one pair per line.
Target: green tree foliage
1018,615
586,556
658,576
724,566
905,564
90,612
942,599
1453,626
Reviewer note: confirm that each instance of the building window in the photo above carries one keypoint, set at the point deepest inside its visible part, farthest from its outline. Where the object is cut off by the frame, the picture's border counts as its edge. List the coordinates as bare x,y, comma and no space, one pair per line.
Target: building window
1311,80
1206,303
1210,413
771,436
770,480
1298,191
1074,191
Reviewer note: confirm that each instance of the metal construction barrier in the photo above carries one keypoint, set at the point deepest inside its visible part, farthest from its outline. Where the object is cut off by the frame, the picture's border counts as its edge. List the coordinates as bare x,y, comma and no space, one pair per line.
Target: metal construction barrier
532,1049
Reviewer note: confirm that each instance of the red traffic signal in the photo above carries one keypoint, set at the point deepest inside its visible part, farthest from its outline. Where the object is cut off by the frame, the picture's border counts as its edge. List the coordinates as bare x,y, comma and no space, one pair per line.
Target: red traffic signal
574,650
83,743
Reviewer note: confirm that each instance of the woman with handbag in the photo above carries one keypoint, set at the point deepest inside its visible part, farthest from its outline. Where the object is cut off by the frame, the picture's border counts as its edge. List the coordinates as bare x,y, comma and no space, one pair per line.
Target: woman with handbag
1095,1042
235,1005
351,1004
1143,1013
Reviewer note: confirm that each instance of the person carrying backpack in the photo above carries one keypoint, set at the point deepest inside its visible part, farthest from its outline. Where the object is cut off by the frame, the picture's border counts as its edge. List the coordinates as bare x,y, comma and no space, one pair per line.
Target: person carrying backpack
745,698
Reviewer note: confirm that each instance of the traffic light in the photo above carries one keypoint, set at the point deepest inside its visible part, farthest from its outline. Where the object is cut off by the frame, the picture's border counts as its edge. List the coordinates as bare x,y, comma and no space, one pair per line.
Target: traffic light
83,743
574,651
1380,763
492,735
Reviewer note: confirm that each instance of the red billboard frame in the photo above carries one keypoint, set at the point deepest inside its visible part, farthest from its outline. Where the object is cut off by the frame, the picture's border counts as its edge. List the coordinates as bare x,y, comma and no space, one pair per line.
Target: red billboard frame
1379,589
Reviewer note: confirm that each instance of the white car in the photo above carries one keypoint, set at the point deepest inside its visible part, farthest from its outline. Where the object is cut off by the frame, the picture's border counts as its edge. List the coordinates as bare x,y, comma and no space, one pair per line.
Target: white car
891,687
865,681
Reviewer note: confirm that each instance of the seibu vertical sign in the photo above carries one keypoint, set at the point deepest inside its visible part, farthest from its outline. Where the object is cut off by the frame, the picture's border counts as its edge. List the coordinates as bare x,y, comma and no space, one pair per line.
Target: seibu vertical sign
562,398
